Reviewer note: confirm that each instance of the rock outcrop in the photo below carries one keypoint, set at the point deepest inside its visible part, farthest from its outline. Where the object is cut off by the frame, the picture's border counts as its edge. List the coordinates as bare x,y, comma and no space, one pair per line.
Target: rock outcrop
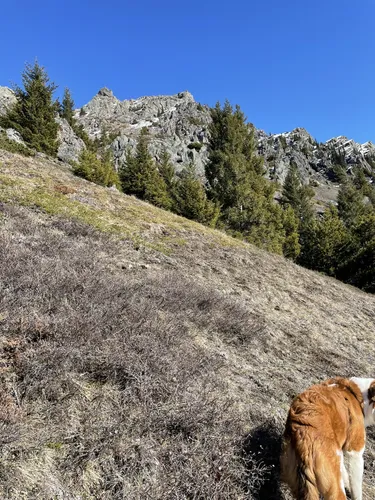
176,123
314,160
7,99
70,146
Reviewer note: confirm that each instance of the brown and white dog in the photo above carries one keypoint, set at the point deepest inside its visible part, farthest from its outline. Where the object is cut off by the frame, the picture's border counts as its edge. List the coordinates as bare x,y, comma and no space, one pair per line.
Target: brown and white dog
324,423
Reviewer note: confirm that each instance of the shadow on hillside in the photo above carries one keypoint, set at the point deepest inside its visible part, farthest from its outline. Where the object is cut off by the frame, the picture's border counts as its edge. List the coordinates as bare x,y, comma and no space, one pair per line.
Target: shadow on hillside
261,451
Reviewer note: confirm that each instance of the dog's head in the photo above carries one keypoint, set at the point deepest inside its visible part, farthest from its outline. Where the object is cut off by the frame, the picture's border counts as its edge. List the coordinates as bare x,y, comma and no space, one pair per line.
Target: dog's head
371,402
367,388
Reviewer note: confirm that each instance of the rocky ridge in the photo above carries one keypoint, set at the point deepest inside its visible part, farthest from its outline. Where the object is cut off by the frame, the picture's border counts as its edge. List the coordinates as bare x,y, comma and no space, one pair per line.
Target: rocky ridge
314,160
180,125
176,123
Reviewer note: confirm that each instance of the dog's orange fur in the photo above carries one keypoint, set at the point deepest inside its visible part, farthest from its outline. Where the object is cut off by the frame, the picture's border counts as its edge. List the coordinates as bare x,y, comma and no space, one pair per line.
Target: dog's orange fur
322,421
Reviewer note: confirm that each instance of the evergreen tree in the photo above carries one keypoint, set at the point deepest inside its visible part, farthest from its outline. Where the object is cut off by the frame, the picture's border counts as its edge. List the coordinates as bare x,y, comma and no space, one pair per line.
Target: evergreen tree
166,170
156,190
337,173
328,241
140,177
33,115
168,174
360,181
291,245
235,181
370,193
350,204
96,169
358,265
232,156
191,199
291,189
135,171
67,107
298,196
258,218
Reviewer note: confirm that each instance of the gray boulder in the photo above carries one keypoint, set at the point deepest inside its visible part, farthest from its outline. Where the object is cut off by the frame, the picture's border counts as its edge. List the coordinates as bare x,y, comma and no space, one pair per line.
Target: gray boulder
7,99
15,136
70,146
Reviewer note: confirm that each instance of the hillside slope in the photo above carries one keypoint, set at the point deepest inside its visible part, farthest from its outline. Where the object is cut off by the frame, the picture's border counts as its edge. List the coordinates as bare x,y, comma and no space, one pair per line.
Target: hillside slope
146,356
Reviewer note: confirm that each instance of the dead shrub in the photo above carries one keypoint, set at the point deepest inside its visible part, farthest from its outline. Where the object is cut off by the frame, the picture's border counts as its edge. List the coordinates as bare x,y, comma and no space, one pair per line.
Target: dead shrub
64,189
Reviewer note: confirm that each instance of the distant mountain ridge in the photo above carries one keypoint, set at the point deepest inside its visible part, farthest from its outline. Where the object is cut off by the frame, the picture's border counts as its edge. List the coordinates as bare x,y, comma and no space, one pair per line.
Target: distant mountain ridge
180,124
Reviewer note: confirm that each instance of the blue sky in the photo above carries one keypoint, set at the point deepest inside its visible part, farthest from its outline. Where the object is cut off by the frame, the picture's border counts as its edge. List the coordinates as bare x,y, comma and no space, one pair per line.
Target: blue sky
288,64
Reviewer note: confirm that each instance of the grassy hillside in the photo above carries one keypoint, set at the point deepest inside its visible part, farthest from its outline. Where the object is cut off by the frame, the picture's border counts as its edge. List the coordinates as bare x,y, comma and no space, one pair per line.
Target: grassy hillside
146,356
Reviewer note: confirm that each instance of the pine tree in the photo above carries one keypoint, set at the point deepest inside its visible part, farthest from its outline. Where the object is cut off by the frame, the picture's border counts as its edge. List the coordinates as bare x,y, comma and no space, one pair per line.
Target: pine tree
191,199
34,113
297,195
291,194
337,173
156,190
299,198
235,181
140,177
166,170
232,156
291,245
135,171
168,174
328,242
360,181
350,204
358,265
67,107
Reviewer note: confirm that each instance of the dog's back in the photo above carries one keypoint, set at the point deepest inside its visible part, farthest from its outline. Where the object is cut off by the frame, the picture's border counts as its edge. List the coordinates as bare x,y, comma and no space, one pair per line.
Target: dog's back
320,421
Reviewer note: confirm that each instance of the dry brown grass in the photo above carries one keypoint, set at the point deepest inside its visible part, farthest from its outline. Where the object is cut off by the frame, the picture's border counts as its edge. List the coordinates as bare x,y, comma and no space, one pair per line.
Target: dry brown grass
128,372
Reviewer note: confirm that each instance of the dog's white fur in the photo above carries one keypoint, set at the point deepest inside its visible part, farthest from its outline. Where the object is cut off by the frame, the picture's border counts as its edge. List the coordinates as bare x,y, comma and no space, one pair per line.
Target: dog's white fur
326,423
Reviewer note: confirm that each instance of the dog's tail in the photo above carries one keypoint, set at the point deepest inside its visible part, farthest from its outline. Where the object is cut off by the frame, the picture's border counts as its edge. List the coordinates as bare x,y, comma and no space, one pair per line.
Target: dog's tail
297,471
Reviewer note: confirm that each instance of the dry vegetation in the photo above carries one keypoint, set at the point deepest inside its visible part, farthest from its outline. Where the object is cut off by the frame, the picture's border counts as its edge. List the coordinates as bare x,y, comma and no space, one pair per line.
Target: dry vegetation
144,356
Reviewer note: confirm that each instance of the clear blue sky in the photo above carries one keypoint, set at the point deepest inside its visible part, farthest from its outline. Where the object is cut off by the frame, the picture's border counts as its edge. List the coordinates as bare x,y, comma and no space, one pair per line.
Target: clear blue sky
288,64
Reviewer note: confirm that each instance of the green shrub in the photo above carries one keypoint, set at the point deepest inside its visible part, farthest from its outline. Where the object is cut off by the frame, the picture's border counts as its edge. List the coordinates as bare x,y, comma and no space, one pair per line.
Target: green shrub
195,121
13,146
96,169
195,145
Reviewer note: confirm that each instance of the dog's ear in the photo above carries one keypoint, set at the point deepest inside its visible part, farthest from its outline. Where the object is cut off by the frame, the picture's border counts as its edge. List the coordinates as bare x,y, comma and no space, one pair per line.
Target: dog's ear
371,393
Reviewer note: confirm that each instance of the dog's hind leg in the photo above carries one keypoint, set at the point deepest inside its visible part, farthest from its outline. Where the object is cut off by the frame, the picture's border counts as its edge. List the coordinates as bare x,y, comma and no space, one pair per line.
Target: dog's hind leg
344,472
355,465
330,475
